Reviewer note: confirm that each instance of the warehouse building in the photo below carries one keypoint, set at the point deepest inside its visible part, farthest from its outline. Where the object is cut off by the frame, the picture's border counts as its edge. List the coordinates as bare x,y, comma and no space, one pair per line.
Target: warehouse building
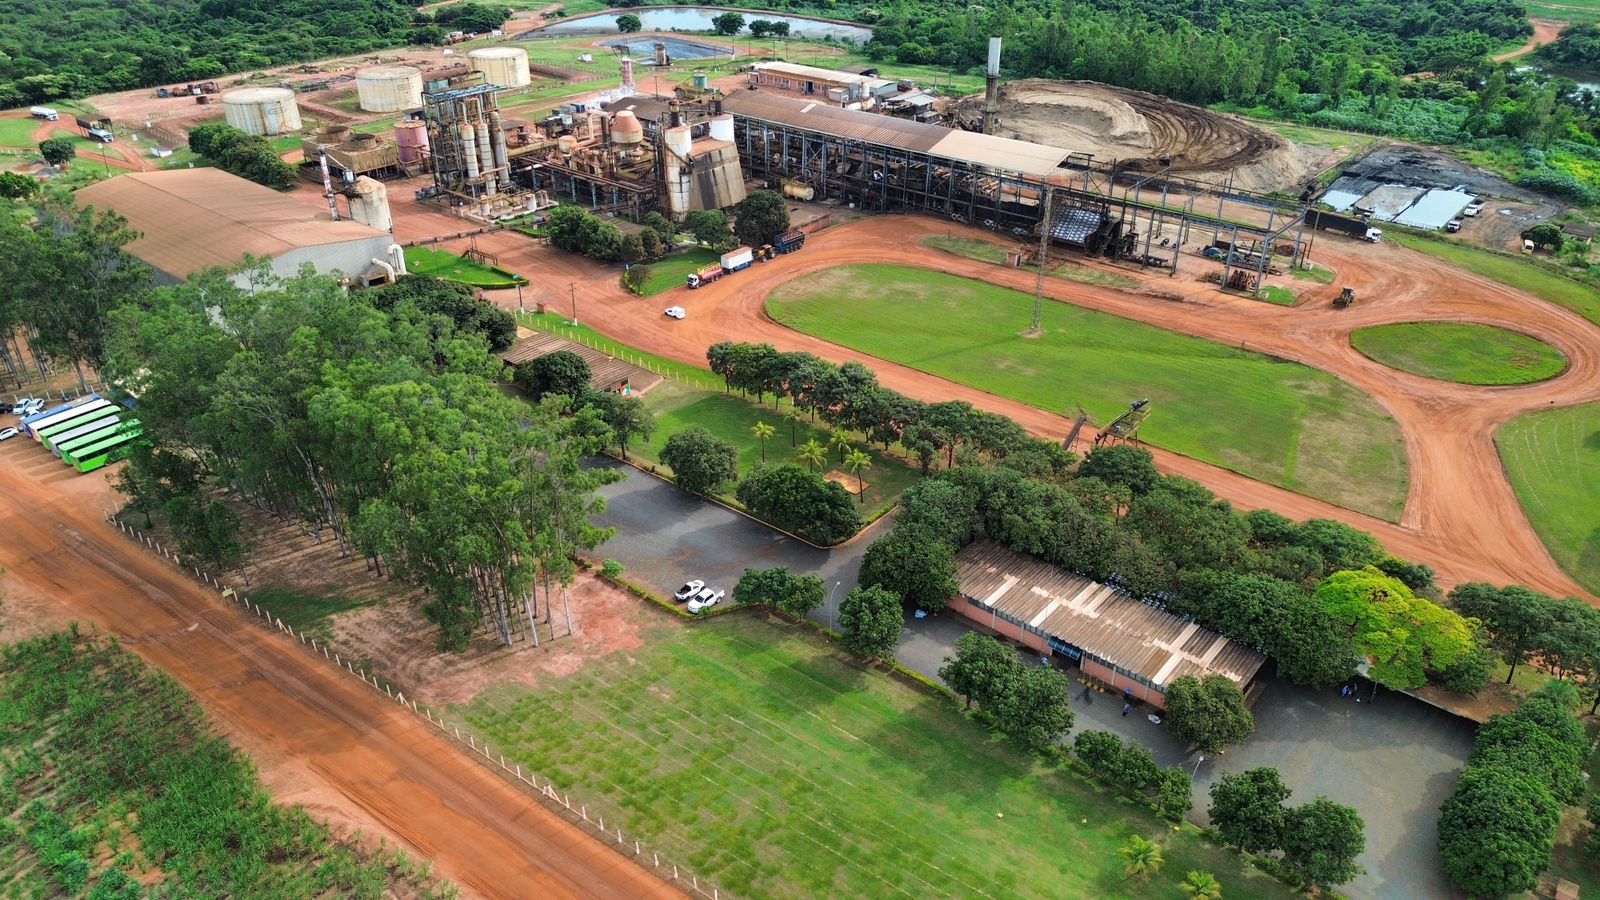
834,86
190,220
1111,636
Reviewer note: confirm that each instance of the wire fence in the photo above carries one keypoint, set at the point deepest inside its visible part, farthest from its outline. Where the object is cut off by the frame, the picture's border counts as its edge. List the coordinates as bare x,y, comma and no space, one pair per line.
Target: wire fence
634,358
558,800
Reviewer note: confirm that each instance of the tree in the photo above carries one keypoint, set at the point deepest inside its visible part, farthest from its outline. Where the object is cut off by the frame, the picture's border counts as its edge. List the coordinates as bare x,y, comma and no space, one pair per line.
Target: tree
562,374
1201,886
1404,636
700,461
1209,713
57,151
16,186
1141,858
631,249
626,416
983,669
1137,769
729,23
760,217
870,619
813,454
856,463
1036,713
762,431
914,563
1545,236
1247,809
800,502
1099,750
650,244
760,28
629,23
1121,464
1321,841
1497,831
710,226
1515,617
1174,793
796,595
456,302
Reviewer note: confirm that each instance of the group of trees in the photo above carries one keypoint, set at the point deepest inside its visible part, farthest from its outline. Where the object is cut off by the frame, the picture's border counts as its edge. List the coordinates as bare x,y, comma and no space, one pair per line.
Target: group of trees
1028,703
1319,840
380,430
469,313
1578,47
763,28
245,155
757,219
1497,830
580,231
780,589
1522,624
56,48
1131,767
473,18
606,415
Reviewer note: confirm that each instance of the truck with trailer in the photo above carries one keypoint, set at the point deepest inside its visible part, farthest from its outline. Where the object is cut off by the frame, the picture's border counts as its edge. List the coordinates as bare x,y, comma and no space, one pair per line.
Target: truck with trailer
44,112
732,261
789,241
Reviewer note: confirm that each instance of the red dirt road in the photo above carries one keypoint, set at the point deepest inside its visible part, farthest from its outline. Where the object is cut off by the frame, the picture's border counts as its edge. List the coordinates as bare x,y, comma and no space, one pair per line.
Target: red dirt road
1461,516
357,757
1544,32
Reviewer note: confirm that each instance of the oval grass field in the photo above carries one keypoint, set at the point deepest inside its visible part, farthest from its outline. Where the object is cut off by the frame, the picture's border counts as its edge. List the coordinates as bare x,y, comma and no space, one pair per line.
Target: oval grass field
1275,421
1460,352
1553,461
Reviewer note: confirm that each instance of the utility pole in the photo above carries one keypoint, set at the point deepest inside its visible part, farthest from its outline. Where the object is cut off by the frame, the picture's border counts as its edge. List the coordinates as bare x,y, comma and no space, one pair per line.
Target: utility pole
1044,253
573,286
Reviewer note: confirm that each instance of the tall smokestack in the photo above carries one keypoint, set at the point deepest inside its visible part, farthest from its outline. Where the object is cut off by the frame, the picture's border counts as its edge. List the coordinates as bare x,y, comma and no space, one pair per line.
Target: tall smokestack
991,88
627,75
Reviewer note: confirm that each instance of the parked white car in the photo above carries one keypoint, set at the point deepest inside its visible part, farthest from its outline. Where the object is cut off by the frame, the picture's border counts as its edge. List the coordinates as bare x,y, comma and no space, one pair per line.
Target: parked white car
688,590
1472,209
676,312
7,434
704,600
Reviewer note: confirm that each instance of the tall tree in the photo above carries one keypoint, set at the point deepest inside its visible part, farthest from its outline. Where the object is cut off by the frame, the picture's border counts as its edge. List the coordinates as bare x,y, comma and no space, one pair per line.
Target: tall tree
1514,616
57,151
870,620
914,563
856,463
983,669
1321,841
1404,636
1036,713
562,373
761,431
813,455
700,461
760,217
1497,831
1209,712
1247,809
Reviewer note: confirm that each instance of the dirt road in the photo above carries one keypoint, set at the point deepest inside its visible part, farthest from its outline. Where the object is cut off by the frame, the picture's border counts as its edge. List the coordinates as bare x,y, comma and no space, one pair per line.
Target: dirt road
1544,32
320,738
1461,516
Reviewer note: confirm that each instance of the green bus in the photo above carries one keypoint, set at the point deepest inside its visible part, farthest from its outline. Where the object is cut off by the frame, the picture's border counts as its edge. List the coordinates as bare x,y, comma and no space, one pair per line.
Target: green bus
108,451
71,450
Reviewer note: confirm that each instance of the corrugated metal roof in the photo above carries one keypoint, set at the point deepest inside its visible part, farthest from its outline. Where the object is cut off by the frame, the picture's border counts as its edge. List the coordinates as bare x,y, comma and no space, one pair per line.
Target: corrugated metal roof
814,73
1101,620
1434,209
605,371
987,150
193,219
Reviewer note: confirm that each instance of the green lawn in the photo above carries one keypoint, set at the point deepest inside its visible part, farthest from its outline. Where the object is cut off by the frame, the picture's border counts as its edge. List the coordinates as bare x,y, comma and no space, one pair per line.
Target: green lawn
302,611
1576,296
730,417
1316,273
18,132
1278,296
771,765
441,264
1274,421
1460,352
971,248
673,272
1553,459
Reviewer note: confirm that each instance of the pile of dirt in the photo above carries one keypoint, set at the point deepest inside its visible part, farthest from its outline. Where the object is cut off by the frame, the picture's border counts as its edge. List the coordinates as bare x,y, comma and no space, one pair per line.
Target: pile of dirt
1137,130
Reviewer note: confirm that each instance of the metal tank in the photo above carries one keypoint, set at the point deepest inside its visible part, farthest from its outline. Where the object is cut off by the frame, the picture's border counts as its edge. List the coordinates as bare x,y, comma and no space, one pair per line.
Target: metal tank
722,128
389,88
505,66
412,139
264,111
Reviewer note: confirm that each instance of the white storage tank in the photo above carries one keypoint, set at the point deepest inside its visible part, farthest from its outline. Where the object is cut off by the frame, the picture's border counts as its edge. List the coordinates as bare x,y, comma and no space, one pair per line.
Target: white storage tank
389,88
505,66
722,128
265,111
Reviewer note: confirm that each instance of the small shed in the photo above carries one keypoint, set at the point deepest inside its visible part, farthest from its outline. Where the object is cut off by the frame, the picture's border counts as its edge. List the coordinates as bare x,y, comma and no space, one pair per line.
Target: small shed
1583,234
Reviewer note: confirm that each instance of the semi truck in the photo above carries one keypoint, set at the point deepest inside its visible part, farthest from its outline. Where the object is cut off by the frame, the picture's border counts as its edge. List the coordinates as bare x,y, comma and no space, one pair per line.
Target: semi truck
789,241
732,261
44,112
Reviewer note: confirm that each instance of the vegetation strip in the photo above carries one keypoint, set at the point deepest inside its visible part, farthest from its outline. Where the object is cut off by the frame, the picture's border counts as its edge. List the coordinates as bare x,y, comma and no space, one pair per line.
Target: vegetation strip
1553,461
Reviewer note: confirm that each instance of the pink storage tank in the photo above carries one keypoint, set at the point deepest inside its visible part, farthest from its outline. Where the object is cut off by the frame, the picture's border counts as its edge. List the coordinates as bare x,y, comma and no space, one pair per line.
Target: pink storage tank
412,139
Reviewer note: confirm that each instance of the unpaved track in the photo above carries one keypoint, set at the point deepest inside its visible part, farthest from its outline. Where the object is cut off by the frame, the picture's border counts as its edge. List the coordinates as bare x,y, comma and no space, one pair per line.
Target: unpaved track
1461,516
372,761
1544,32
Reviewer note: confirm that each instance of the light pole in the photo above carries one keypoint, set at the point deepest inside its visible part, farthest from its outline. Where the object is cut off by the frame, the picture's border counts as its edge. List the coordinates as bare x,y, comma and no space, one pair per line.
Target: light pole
830,603
573,286
1197,763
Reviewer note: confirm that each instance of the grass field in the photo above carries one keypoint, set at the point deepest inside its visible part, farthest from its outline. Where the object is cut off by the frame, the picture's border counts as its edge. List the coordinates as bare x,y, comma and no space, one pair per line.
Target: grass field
113,781
18,132
672,272
775,767
1579,11
971,248
1278,295
1553,459
440,264
1460,352
302,611
1274,421
1315,274
677,407
1576,296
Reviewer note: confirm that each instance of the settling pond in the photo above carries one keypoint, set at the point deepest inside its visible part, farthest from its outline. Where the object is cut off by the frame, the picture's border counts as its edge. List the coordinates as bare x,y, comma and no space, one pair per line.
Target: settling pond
697,18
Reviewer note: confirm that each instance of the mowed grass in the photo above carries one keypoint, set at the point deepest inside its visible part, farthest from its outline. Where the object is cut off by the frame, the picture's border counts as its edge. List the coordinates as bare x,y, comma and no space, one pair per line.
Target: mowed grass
1553,459
677,407
1275,421
1576,296
758,756
441,264
19,133
1278,295
673,272
971,248
1460,352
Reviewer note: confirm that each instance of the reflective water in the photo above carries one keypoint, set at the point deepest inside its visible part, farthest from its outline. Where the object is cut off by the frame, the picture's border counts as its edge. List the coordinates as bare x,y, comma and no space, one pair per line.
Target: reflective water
698,18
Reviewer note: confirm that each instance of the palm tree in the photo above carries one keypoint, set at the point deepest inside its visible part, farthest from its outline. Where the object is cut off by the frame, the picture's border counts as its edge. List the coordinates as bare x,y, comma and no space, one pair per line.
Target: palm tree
813,454
1144,859
858,462
839,439
762,431
1201,886
793,415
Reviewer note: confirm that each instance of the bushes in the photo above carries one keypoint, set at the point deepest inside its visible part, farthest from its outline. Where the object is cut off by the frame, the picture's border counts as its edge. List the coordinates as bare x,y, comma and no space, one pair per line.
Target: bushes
777,587
1558,183
1131,767
576,229
249,156
798,501
701,462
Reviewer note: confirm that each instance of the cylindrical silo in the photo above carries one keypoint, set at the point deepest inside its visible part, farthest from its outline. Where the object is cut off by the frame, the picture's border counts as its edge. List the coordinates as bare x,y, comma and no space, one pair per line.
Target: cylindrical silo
266,111
412,139
469,149
505,66
389,88
722,128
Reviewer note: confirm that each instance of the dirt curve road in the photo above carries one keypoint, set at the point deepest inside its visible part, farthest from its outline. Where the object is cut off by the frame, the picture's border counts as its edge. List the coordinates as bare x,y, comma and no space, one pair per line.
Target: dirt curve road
368,760
1461,516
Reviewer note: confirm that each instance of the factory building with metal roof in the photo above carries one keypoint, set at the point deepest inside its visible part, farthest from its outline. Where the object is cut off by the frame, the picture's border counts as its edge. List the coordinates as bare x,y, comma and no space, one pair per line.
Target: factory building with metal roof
1114,638
190,220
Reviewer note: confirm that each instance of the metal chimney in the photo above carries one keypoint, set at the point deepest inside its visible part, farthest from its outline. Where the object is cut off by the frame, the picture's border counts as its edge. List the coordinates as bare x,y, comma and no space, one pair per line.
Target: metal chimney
327,182
991,88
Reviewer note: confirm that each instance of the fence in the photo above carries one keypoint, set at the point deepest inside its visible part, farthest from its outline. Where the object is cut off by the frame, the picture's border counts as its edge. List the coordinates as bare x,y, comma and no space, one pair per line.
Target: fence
617,351
559,801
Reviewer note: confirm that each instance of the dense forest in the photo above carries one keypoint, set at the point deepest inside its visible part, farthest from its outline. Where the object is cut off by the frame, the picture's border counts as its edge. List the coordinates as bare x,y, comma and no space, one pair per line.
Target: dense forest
1578,47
